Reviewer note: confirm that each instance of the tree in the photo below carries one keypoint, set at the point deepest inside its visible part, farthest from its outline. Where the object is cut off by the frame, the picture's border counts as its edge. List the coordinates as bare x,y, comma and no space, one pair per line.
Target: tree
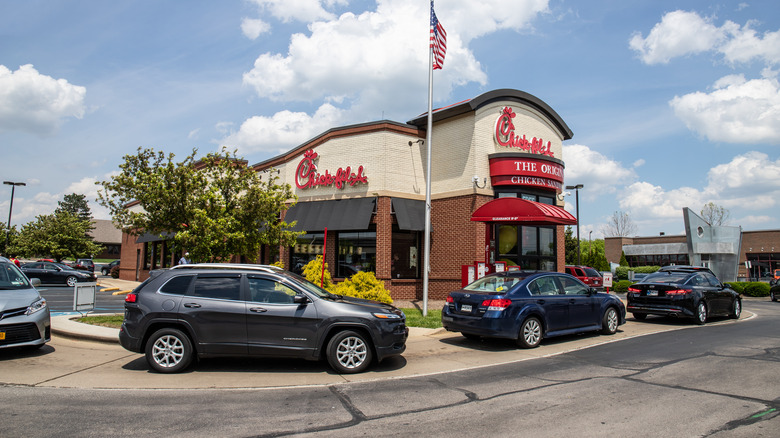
715,215
77,205
61,235
619,225
570,247
216,207
8,235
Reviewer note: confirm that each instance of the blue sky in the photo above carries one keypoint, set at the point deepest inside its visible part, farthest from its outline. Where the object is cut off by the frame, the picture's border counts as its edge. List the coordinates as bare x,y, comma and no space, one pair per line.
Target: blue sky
672,103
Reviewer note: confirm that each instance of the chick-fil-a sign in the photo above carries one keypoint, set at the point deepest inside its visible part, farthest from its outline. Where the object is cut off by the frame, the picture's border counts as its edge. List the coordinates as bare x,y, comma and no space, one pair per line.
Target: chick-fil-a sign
505,136
306,175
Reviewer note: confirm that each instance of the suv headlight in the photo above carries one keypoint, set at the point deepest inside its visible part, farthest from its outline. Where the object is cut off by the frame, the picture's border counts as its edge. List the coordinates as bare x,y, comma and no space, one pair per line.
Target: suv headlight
386,315
36,306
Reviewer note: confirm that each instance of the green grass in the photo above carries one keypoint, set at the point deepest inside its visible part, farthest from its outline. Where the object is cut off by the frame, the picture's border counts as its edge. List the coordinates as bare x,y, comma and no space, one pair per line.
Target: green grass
113,321
414,318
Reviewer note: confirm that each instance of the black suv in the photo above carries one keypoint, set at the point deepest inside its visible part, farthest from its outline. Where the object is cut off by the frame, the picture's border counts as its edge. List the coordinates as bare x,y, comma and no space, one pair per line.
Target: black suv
684,291
209,310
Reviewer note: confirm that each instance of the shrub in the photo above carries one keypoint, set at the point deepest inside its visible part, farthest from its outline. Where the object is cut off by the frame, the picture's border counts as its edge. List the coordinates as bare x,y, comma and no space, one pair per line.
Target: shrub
621,272
364,285
278,264
313,272
114,272
738,286
621,286
757,289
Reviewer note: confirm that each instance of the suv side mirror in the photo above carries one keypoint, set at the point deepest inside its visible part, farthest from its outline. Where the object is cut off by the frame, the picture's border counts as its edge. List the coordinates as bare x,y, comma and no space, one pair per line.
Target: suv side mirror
300,299
35,282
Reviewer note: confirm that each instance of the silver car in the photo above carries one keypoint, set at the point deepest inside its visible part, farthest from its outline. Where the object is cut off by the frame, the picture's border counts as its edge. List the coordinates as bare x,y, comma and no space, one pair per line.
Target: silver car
24,315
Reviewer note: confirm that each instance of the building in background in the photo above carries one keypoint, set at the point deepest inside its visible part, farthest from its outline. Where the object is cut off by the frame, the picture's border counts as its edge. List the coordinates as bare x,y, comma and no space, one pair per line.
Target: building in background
106,234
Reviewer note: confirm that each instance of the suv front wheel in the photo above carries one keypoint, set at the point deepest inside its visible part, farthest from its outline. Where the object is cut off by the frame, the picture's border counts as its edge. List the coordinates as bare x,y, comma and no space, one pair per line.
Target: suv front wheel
349,352
169,350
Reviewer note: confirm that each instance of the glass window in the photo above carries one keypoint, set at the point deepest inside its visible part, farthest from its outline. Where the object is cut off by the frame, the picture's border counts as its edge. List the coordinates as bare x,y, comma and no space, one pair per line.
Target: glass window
573,287
356,252
222,287
406,254
177,285
307,247
262,290
525,246
543,286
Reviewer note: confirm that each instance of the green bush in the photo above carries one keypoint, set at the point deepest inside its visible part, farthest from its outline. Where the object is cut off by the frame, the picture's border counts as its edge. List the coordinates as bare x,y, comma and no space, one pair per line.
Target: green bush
364,285
621,272
756,289
313,272
620,286
738,286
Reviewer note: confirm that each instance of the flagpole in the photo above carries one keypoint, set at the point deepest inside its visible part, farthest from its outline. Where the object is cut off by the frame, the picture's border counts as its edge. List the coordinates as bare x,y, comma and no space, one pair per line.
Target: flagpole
428,135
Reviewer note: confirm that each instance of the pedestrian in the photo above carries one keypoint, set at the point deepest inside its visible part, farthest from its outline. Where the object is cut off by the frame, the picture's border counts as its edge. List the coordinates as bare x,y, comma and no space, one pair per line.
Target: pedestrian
184,260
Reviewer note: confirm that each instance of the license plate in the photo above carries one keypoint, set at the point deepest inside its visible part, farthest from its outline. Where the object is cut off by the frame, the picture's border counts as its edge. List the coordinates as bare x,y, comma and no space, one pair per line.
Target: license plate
652,293
2,336
465,308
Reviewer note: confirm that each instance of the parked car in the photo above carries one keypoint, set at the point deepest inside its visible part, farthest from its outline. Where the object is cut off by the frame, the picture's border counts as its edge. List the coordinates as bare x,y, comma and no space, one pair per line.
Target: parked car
84,264
106,269
774,291
206,310
51,273
587,275
683,291
24,315
528,306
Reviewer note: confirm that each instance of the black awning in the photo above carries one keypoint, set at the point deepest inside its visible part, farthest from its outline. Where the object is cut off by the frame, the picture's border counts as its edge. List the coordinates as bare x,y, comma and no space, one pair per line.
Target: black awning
410,214
154,237
337,215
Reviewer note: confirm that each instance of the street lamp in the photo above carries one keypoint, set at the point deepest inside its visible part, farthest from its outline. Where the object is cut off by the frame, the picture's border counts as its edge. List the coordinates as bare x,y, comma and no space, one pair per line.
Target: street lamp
10,209
577,199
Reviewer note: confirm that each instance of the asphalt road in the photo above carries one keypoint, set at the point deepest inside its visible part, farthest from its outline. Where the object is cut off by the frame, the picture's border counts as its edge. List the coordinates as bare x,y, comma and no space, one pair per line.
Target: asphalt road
718,380
60,299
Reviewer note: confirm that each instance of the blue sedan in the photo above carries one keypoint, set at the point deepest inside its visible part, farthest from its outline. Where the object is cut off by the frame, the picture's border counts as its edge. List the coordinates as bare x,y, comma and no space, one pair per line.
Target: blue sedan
529,306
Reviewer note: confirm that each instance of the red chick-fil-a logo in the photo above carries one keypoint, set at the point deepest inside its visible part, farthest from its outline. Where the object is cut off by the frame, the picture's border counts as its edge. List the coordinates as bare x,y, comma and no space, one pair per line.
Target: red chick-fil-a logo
505,136
306,175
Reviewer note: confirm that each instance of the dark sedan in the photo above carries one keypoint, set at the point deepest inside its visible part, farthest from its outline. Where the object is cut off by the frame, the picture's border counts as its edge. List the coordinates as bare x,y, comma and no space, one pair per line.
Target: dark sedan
529,306
683,291
51,273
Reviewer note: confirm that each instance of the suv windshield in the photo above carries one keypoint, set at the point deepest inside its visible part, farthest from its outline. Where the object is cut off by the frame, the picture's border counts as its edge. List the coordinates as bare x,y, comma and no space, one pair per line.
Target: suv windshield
590,272
309,286
11,278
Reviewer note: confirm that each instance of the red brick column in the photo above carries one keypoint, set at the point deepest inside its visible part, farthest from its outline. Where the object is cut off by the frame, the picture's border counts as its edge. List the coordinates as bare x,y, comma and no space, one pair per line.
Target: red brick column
384,238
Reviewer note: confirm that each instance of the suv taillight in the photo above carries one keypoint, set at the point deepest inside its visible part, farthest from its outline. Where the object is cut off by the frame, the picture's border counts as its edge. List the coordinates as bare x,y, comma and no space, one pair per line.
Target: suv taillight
450,299
678,291
131,298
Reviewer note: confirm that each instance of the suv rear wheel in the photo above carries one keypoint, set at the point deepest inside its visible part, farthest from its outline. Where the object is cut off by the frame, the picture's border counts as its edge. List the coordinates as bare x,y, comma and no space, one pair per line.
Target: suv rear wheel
169,350
349,352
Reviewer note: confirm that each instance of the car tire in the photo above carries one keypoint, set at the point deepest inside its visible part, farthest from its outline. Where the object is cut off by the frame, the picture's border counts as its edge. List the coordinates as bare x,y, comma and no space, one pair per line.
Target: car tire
104,271
169,350
471,336
639,316
349,352
610,322
736,309
71,281
701,313
530,333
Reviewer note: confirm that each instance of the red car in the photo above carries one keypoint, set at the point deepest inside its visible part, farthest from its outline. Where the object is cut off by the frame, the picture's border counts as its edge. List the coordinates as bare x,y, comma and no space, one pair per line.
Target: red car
587,275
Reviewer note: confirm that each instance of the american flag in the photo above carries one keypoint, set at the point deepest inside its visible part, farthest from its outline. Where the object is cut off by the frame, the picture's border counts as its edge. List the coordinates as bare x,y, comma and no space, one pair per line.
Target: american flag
438,41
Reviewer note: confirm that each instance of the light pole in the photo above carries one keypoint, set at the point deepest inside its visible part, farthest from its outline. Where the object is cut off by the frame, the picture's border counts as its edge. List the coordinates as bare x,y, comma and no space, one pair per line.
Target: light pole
577,200
10,209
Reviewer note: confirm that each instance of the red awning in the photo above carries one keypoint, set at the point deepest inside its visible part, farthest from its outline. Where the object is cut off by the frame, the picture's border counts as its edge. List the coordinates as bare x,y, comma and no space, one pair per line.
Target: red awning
516,210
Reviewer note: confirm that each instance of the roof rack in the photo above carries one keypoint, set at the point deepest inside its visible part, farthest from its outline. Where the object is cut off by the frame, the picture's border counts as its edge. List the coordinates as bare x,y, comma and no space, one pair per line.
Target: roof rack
252,267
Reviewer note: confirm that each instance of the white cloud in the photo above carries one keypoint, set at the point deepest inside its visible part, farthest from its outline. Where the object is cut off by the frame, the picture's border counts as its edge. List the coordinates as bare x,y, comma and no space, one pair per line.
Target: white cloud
639,163
679,33
736,111
750,181
284,130
595,171
36,103
253,27
372,64
298,10
745,45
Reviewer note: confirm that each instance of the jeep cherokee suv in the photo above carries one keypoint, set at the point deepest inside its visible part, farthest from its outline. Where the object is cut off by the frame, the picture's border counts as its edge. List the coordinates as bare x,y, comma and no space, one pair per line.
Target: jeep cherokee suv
208,310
